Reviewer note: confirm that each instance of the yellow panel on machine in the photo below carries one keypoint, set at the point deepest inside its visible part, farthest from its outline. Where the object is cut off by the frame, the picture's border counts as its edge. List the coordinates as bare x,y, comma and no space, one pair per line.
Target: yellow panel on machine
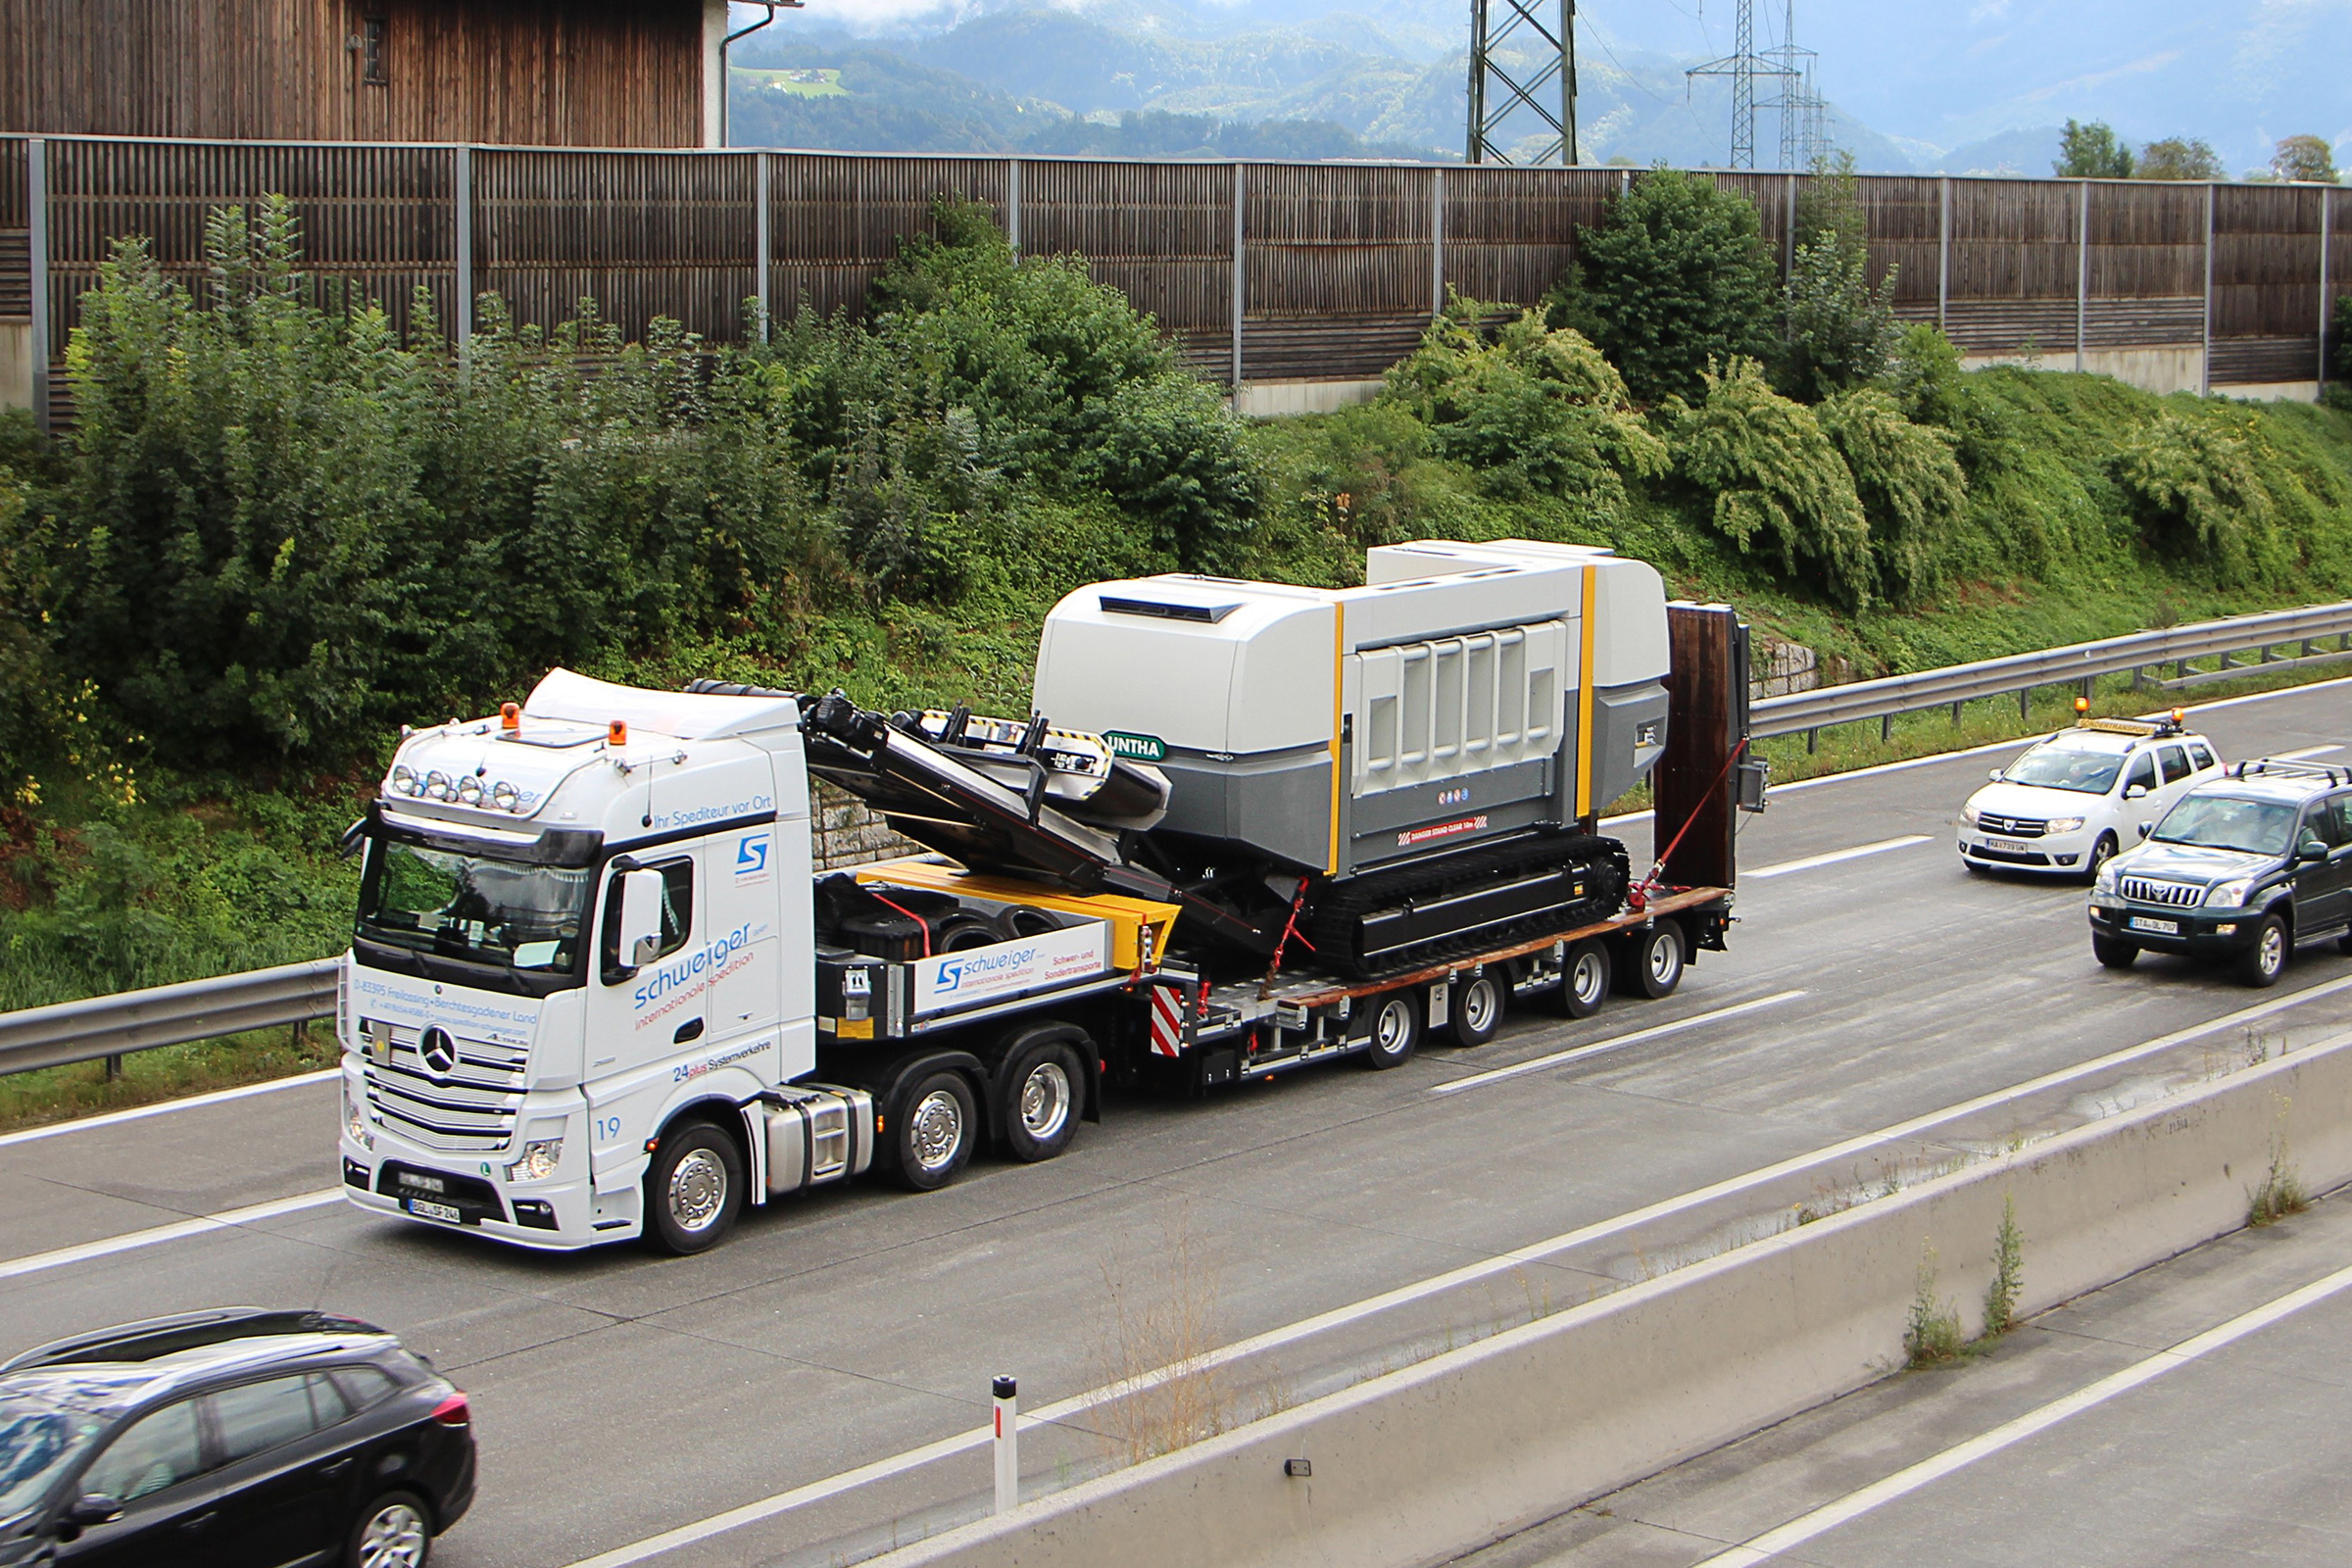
1129,917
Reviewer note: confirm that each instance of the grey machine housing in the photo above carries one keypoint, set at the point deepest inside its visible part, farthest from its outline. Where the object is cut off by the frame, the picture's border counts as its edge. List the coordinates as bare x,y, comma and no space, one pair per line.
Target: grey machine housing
1466,692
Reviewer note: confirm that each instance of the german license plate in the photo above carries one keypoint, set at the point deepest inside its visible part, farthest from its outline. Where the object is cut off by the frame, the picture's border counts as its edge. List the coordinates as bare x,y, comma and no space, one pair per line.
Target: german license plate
429,1209
2153,926
2012,845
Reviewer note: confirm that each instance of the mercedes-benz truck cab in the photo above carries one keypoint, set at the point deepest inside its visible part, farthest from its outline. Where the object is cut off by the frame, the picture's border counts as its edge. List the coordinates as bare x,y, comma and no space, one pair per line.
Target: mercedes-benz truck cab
573,927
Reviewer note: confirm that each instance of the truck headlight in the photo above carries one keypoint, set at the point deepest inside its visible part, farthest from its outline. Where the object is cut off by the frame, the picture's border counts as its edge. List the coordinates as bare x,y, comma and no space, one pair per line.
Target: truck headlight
356,1123
2064,824
2230,894
540,1157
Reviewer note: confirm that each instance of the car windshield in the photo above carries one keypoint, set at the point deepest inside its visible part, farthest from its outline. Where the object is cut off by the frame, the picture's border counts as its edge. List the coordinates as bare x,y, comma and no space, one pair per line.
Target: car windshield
474,907
2070,763
2228,822
38,1439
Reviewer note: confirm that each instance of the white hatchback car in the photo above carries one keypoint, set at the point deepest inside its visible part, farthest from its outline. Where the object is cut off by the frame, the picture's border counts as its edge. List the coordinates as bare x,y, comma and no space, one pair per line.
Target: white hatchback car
2074,800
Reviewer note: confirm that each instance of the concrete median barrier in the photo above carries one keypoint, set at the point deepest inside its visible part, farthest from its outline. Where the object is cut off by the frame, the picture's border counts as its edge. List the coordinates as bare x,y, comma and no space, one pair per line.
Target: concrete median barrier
1426,1463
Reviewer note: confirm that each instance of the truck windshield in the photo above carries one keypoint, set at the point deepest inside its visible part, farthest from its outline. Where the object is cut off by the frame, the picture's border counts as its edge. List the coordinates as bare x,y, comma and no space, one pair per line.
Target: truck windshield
474,907
2226,822
2067,763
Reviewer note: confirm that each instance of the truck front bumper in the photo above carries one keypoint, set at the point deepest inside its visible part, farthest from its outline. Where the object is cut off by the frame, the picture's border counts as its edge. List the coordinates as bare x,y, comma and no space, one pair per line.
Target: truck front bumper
452,1194
2198,933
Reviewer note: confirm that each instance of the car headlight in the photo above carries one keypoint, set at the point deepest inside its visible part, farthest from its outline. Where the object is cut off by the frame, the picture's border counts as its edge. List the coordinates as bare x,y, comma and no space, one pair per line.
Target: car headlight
2104,883
2063,824
540,1157
1968,816
2230,894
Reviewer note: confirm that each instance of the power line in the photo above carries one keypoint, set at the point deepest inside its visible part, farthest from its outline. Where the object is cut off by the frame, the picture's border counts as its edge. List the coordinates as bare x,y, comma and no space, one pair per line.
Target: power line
1744,66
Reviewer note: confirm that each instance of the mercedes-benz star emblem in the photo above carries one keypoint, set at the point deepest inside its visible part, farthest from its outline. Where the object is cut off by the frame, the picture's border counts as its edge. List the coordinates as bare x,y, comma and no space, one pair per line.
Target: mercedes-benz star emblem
440,1053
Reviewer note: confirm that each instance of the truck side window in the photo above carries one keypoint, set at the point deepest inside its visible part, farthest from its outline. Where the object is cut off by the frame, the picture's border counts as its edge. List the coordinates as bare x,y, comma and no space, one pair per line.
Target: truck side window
2199,757
2176,765
677,916
2143,772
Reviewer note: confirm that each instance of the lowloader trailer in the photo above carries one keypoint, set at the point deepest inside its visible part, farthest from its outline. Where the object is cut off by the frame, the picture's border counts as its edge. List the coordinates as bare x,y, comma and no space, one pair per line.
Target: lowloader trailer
596,991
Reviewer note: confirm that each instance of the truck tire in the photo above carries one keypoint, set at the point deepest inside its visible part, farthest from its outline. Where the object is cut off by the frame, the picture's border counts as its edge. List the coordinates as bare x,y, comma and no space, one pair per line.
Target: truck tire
1652,962
931,1131
1041,1093
692,1189
1478,1003
2265,958
2113,954
1584,980
1396,1029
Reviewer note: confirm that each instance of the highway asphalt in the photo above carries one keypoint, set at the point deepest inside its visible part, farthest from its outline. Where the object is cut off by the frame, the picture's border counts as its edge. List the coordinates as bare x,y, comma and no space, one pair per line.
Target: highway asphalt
2193,1413
822,1370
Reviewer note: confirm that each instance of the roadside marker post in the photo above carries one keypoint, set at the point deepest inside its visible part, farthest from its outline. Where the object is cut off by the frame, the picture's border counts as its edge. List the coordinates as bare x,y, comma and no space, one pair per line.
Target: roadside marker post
1009,1445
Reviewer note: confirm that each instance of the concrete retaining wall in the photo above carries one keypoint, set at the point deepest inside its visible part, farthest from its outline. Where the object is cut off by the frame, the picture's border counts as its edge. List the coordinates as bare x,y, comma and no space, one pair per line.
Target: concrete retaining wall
1421,1464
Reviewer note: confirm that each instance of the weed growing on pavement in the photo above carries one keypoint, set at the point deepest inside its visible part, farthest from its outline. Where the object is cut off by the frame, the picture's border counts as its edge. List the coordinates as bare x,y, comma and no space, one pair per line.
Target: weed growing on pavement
2008,1273
1154,1347
2282,1192
1931,1337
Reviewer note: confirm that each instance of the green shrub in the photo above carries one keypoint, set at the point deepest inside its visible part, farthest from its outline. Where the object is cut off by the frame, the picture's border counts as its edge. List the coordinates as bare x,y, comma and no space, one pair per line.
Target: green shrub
1910,486
1674,279
32,723
1775,481
1841,330
1534,410
2195,481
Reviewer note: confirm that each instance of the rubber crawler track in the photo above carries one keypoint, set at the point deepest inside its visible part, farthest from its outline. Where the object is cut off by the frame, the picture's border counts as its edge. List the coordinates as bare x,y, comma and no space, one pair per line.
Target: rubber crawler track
1335,925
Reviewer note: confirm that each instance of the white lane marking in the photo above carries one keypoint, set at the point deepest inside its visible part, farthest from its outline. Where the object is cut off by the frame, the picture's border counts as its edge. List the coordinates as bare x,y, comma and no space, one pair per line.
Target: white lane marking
2263,697
132,1241
1814,861
218,1097
1595,1047
2308,751
1806,1527
1420,1290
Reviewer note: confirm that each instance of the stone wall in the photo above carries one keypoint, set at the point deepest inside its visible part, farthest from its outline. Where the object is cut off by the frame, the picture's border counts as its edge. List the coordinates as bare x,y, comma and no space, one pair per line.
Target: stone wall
849,834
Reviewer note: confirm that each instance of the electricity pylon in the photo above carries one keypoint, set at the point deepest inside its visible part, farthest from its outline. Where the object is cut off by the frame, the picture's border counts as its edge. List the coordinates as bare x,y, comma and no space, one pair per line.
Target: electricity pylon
1554,52
1798,104
1744,66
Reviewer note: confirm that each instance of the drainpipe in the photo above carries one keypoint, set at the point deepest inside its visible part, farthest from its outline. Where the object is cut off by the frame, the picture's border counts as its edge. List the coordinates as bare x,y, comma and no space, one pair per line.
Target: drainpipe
727,42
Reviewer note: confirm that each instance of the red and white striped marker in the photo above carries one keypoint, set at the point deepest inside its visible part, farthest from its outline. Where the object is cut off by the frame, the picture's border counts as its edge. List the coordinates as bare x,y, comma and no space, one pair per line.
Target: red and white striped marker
1168,1020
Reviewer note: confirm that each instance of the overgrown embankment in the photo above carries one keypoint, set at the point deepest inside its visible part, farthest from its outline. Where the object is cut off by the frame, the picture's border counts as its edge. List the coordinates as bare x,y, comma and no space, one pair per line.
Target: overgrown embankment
279,528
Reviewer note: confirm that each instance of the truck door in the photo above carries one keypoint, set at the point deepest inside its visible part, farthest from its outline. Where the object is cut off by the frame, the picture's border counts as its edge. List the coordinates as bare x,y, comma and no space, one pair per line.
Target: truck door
747,994
639,1018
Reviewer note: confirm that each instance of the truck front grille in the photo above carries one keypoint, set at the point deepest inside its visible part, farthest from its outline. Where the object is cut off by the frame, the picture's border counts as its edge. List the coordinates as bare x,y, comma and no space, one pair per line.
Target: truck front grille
469,1109
2179,895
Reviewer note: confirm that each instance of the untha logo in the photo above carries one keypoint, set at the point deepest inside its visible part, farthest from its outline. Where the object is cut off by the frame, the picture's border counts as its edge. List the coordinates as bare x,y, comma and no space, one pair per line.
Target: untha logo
439,1051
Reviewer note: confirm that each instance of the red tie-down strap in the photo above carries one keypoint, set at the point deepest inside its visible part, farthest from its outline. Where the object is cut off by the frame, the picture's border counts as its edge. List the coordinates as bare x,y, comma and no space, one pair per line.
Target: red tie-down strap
1639,899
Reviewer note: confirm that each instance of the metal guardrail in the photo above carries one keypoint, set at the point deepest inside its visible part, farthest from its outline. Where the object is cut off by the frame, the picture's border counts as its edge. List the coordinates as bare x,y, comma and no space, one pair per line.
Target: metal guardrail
296,993
2077,666
166,1015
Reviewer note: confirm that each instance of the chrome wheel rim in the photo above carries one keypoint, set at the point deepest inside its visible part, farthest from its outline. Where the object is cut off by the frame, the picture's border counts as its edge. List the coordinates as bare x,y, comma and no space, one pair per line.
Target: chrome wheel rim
1478,1006
1585,978
698,1190
936,1129
1394,1026
1665,958
2272,954
1046,1099
2100,854
395,1538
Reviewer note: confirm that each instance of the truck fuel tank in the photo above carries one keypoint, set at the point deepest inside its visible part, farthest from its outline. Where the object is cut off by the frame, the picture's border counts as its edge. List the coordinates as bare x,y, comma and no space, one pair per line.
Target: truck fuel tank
817,1133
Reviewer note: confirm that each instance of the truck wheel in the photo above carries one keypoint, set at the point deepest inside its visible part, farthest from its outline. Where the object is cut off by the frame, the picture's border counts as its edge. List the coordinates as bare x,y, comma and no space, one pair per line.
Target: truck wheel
1585,983
1041,1090
931,1131
1655,961
692,1189
1396,1030
2113,954
1477,1009
2262,963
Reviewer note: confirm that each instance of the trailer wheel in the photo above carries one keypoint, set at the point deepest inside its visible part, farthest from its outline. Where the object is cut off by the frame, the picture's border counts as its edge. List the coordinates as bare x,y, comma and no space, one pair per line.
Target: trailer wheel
1396,1030
692,1189
1654,964
931,1132
1586,979
1041,1095
1478,1010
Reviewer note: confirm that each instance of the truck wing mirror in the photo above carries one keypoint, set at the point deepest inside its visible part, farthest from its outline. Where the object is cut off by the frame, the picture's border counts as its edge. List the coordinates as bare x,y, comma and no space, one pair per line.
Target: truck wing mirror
640,917
352,838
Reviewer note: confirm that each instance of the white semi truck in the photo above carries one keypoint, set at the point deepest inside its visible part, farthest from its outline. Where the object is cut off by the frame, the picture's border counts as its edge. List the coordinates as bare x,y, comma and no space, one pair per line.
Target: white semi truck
596,991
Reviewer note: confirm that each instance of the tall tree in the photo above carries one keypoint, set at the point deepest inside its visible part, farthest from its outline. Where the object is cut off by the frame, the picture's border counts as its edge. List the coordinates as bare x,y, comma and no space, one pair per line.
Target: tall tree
2091,152
2179,158
2305,158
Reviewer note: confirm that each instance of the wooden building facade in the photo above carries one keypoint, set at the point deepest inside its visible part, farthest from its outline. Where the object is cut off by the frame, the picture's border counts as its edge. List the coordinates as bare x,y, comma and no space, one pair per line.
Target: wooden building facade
542,72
